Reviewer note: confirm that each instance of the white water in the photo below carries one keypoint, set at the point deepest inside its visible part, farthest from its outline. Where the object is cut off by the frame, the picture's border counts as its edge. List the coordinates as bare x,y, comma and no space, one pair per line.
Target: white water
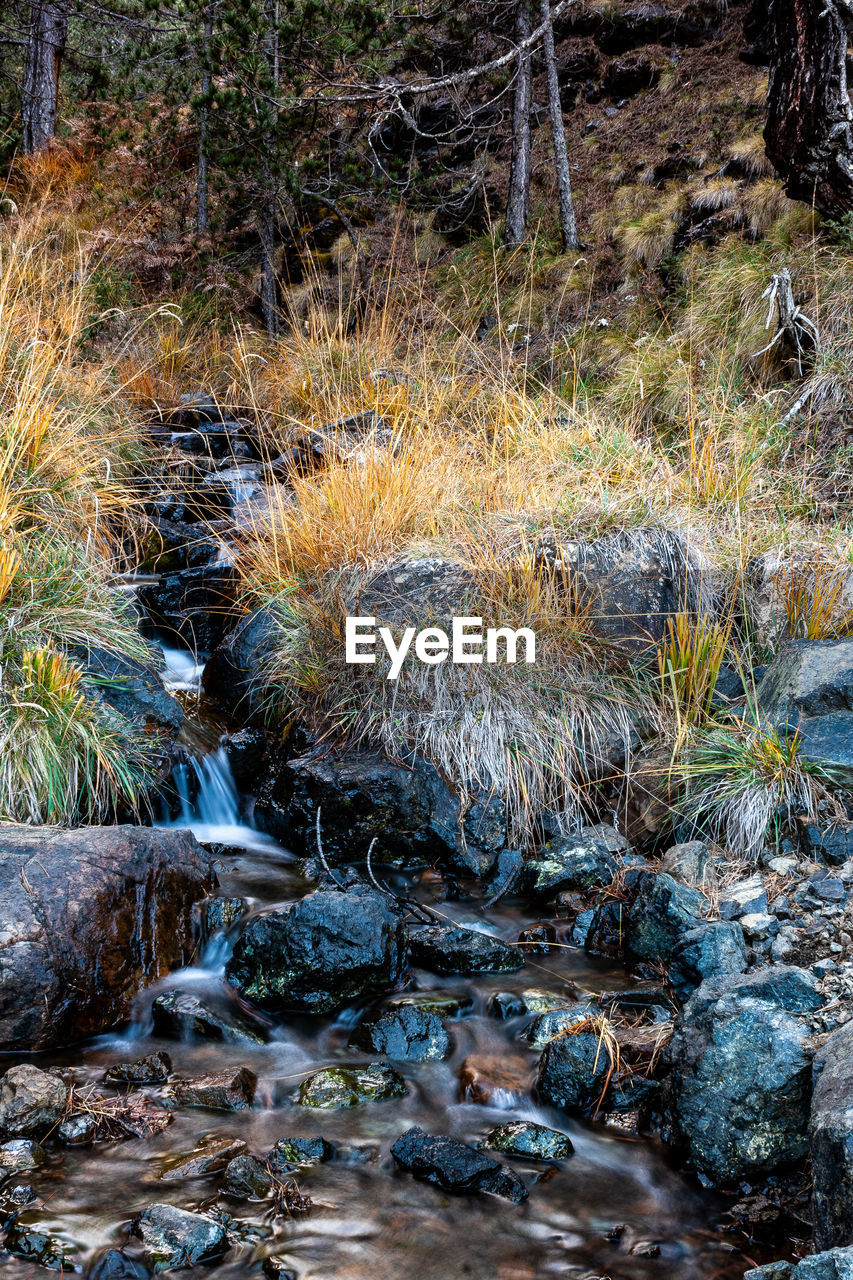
214,815
181,673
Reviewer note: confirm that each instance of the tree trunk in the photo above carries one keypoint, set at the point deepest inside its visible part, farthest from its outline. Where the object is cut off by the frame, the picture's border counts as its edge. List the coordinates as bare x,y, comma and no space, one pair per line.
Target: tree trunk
809,130
201,217
518,195
45,48
269,185
568,222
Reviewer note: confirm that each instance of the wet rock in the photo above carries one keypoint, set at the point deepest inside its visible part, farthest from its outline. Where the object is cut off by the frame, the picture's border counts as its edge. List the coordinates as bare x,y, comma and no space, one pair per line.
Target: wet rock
31,1101
407,1033
569,862
223,913
27,1239
174,1238
533,1141
247,1178
448,950
131,688
245,751
92,915
220,1090
278,1269
807,678
772,1271
323,952
574,1071
180,1016
234,673
446,1004
337,1087
556,1022
831,1139
297,1153
833,1264
691,863
504,1005
454,1166
746,897
212,1155
711,950
739,1073
115,1265
661,913
155,1068
193,604
21,1155
78,1130
492,1080
604,935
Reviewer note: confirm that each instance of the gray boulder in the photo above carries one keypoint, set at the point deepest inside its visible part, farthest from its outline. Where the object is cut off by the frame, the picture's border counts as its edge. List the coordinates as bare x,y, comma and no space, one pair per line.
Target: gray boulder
833,1264
569,862
740,1074
831,1137
828,741
711,950
807,678
90,917
132,688
661,913
321,953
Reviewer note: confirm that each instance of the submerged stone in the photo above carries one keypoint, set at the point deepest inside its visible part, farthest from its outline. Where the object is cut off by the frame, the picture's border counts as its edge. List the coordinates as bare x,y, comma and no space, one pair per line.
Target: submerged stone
407,1033
115,1265
210,1156
450,950
453,1165
175,1238
293,1153
220,1091
524,1138
337,1087
28,1241
180,1016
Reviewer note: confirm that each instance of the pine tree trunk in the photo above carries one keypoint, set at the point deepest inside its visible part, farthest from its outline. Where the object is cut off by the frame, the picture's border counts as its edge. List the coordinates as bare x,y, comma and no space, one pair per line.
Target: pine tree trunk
809,130
568,222
202,219
518,195
269,187
45,48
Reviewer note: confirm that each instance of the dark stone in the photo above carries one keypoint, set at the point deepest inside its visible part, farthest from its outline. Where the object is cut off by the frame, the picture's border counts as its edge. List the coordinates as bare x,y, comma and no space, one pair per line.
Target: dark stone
573,1072
77,1131
94,915
193,604
407,1033
275,1268
729,687
569,862
298,1153
231,1090
26,1239
661,913
115,1265
212,1155
153,1069
21,1155
174,1238
448,950
504,1005
131,688
247,1178
245,751
831,1139
828,741
323,952
807,678
739,1074
234,673
529,1140
453,1165
222,913
604,932
711,950
180,1016
31,1101
336,1088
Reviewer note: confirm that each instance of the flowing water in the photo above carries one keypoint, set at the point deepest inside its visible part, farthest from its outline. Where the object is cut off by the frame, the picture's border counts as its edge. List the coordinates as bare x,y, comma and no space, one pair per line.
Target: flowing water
615,1209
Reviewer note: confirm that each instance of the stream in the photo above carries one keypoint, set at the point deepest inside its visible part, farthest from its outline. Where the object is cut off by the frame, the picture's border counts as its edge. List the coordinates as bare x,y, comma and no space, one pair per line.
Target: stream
617,1208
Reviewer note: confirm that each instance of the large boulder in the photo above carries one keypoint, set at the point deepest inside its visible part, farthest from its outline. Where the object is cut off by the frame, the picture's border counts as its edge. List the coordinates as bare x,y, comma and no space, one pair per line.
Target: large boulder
807,678
90,916
831,1137
323,952
740,1073
32,1102
234,674
832,1264
828,741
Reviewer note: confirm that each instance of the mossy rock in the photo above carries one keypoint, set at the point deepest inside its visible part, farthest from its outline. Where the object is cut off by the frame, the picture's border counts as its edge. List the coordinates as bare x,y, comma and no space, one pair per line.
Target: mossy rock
337,1087
534,1141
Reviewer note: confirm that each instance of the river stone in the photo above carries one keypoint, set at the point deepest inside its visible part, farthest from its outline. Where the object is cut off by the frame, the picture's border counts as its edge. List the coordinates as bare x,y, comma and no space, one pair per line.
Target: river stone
574,1071
661,912
221,913
78,1130
524,1138
739,1078
446,1004
807,678
90,917
26,1239
21,1155
296,1153
833,1264
247,1178
32,1101
711,950
691,863
155,1068
448,950
180,1016
115,1265
234,673
569,862
132,688
831,1139
174,1238
446,1162
210,1156
334,1088
323,952
231,1090
555,1022
407,1033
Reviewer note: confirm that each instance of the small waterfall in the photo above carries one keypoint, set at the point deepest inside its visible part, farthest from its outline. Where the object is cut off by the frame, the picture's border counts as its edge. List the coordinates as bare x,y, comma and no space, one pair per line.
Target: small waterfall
210,805
181,672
